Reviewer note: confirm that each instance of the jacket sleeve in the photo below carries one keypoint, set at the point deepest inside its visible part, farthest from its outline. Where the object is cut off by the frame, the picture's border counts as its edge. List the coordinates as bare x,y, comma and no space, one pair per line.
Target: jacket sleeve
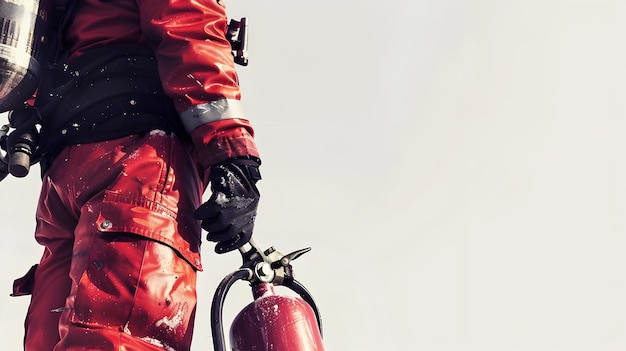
198,72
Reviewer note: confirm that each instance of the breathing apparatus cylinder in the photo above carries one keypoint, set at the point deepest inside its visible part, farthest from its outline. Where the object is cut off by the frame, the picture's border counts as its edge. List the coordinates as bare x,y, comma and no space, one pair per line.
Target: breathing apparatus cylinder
23,24
275,322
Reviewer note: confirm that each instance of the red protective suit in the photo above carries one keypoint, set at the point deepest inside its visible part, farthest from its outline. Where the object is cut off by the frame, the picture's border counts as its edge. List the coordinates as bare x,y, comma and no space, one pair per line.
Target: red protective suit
115,216
194,58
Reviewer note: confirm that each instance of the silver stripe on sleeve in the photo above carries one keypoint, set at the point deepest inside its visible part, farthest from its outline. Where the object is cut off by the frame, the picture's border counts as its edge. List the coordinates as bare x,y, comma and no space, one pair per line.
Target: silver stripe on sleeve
198,115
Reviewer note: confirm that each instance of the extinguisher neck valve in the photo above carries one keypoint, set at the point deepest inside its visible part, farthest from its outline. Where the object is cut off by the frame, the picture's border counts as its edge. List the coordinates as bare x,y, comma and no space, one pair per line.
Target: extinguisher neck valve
264,272
269,266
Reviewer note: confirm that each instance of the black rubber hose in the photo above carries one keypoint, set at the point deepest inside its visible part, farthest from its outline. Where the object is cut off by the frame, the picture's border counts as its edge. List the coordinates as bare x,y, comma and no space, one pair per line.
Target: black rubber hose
299,289
217,327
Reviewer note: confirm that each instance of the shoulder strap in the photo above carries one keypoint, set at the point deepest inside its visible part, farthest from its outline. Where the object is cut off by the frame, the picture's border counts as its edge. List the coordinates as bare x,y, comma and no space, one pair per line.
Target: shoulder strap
63,13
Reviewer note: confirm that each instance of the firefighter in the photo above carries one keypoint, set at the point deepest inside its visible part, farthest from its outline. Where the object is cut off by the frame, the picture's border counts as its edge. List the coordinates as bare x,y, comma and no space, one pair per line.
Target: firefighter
140,112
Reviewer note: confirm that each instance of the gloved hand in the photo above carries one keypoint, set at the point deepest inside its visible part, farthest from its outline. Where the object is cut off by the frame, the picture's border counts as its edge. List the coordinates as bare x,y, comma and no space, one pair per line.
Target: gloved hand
229,213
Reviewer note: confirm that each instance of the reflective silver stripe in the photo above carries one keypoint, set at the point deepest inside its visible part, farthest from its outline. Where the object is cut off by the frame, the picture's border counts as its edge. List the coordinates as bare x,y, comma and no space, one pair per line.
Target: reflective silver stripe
198,115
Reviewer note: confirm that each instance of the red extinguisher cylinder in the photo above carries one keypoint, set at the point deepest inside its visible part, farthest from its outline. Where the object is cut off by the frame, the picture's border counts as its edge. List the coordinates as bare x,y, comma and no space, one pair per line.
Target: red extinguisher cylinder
275,323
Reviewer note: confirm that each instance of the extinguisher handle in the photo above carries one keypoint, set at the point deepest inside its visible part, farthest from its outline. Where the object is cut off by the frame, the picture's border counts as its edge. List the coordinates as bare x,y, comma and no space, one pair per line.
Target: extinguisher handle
250,252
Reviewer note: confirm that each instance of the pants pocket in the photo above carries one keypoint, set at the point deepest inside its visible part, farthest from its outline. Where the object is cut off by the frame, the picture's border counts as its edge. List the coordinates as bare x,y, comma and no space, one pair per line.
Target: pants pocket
106,289
165,301
139,287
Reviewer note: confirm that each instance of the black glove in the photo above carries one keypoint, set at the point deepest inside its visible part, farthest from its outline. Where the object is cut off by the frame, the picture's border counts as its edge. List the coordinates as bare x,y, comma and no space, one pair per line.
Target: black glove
229,213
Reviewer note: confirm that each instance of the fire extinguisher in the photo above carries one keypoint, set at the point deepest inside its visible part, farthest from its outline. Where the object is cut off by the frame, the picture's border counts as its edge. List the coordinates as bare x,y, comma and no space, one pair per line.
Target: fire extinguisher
272,322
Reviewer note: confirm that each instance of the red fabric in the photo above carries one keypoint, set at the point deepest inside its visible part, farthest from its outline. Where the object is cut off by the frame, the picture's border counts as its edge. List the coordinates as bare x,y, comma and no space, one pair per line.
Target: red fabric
223,139
194,58
121,248
188,36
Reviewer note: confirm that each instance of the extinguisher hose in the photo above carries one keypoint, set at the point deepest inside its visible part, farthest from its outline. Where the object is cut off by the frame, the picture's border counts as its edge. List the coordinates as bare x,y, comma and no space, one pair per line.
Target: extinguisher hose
299,289
217,327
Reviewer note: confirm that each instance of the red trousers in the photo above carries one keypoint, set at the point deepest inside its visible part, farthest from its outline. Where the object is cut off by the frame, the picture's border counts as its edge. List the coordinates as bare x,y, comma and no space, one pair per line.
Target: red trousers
121,253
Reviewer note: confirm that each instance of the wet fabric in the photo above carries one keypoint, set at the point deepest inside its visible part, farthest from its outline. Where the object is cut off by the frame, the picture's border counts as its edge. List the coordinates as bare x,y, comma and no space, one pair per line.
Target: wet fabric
121,253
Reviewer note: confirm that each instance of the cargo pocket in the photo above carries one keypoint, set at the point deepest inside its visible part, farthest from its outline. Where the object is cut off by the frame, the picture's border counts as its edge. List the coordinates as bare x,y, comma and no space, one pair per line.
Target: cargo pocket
109,279
117,229
138,287
165,299
119,213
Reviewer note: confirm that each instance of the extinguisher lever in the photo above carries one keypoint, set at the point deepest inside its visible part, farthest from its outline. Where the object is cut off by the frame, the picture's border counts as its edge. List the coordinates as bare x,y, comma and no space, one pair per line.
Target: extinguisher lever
251,254
286,260
269,266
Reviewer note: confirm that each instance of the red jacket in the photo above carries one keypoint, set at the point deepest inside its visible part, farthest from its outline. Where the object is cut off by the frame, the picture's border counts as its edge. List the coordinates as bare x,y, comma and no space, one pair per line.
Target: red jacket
194,59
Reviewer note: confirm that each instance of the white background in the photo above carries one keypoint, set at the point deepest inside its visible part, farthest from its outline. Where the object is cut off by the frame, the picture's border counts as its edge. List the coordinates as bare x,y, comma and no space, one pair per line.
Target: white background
458,168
